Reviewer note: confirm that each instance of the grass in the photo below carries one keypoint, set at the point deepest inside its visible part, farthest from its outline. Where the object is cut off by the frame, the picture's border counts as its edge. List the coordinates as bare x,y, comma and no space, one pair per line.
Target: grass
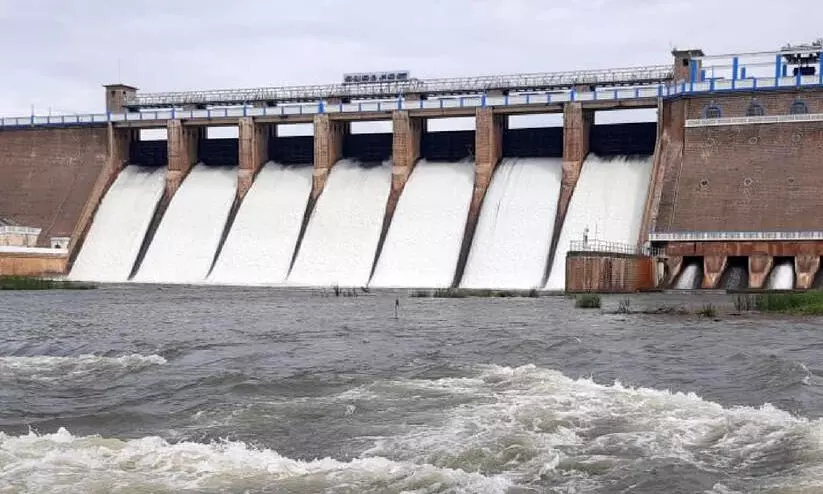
803,303
708,311
587,301
468,292
33,283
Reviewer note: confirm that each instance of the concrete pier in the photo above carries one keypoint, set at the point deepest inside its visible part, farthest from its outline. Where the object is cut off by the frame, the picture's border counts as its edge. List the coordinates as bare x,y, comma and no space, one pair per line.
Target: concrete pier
806,267
760,265
253,144
182,142
489,128
713,267
328,149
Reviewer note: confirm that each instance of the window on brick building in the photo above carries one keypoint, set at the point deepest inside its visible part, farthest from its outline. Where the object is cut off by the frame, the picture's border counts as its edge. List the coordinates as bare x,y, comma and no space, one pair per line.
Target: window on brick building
712,111
798,108
755,110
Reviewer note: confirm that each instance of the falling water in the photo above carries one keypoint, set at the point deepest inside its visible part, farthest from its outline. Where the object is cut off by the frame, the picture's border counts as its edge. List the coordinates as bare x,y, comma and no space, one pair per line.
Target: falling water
261,242
608,201
183,248
341,238
119,225
423,241
782,276
513,237
690,277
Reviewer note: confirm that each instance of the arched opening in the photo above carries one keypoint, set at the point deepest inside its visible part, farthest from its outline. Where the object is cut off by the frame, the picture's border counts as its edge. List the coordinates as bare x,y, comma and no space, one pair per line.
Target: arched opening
755,110
712,111
798,108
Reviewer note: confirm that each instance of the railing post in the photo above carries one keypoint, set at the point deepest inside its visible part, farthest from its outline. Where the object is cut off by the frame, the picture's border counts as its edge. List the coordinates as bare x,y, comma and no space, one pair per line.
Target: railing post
735,65
778,64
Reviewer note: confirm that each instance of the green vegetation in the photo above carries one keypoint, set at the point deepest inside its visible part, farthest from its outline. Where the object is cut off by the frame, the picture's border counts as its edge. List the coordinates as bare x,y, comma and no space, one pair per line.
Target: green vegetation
587,301
469,292
33,283
802,303
708,310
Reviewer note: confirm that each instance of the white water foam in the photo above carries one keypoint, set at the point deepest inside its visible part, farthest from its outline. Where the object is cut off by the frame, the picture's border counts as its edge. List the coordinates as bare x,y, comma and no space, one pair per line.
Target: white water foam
184,245
92,464
260,245
119,225
782,276
608,201
514,232
688,277
46,369
341,238
424,238
542,428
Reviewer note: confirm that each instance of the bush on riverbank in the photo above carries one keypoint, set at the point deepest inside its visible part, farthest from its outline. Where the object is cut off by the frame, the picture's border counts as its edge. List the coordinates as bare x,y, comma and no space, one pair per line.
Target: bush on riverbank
587,301
805,303
32,283
469,292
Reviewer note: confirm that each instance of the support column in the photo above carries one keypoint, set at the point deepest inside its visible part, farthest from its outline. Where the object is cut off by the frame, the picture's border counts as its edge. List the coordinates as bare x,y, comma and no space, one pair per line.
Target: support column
328,149
806,267
119,147
674,264
577,125
407,133
759,267
254,152
182,142
713,267
488,150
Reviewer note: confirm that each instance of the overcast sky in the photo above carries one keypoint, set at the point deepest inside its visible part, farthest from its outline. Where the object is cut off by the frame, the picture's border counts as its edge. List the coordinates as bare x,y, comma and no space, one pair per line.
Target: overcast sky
56,54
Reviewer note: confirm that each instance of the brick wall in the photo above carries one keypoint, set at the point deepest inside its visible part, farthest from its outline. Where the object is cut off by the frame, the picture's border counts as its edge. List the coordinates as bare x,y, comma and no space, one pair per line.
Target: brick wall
608,273
46,176
751,178
12,264
774,103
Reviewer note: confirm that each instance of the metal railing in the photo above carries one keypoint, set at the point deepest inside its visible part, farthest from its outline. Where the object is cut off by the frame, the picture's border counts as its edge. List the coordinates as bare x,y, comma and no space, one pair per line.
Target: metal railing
641,92
764,119
733,236
608,247
8,249
652,74
19,230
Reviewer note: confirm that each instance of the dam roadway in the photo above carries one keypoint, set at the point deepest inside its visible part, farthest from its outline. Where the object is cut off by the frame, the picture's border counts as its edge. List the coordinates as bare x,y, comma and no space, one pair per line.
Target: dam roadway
714,151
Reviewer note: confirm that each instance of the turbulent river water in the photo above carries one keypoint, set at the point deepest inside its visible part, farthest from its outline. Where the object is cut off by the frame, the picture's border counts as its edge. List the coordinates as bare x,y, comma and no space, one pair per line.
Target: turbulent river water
139,388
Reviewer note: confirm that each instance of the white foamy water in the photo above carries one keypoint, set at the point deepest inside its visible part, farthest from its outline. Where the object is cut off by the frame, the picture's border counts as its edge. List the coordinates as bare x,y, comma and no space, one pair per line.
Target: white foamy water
688,277
423,241
341,238
47,369
782,276
541,428
608,200
119,225
498,429
261,242
514,232
92,464
184,245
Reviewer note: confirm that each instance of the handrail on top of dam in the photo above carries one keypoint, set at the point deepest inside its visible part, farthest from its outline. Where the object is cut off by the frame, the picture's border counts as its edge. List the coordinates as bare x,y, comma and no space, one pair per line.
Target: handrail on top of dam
733,236
652,74
539,101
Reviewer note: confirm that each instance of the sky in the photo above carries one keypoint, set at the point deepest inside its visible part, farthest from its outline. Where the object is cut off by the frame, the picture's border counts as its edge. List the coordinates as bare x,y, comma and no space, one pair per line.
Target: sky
57,53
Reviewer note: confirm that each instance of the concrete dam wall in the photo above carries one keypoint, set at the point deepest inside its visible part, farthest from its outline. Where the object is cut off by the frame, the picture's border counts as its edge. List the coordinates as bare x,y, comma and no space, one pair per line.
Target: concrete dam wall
723,190
406,225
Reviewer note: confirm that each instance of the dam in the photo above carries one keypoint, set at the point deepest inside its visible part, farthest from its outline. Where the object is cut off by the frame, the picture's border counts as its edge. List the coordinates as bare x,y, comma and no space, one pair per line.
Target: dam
721,191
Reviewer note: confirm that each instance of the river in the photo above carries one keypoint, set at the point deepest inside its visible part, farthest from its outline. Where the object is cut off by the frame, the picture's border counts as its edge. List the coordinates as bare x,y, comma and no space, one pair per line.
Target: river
139,388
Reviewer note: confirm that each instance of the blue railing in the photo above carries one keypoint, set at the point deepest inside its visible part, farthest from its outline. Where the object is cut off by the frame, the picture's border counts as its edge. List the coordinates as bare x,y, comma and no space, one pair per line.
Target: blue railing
604,94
